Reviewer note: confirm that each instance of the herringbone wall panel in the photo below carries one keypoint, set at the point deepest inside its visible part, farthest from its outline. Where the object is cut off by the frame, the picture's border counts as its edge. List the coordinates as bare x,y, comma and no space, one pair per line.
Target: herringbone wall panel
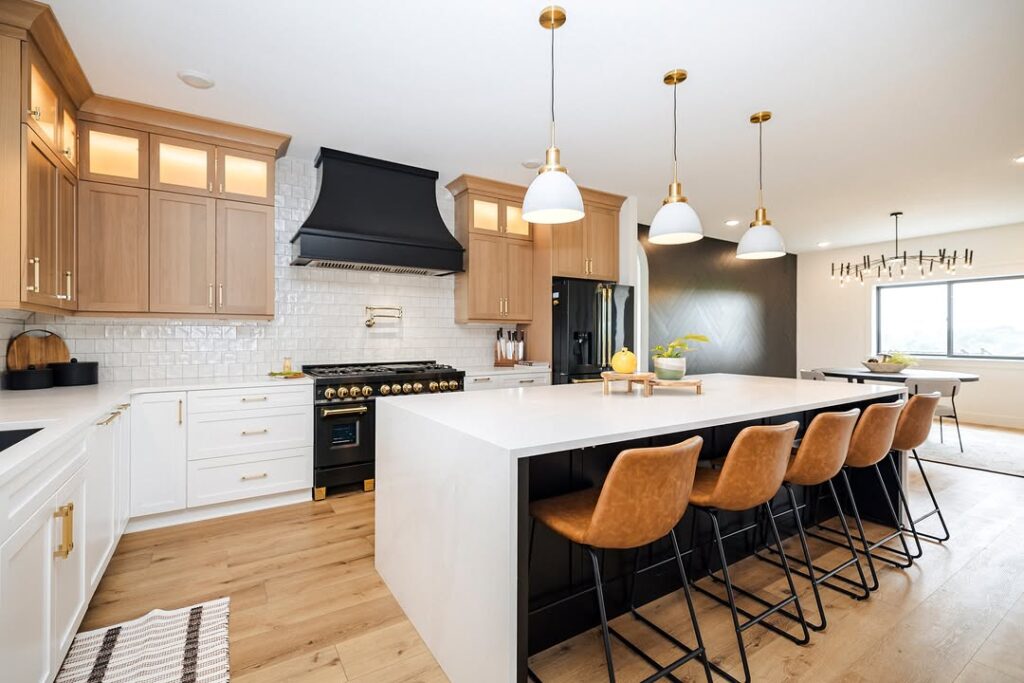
748,308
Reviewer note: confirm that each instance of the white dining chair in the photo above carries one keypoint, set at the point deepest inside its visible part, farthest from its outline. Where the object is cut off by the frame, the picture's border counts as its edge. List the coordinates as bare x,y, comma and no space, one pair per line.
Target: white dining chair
948,388
817,375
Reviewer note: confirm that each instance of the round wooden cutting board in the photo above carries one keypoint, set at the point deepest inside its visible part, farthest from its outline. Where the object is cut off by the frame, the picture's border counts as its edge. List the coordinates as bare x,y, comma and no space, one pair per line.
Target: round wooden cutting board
36,347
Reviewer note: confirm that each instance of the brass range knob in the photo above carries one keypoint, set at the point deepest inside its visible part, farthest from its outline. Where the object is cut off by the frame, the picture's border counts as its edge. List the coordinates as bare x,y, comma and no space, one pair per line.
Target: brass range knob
433,386
453,384
329,393
444,385
367,390
354,392
417,388
342,392
396,388
406,388
385,390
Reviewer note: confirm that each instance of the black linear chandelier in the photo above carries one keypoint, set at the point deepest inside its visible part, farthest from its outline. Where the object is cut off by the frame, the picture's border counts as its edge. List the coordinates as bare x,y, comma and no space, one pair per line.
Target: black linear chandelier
899,264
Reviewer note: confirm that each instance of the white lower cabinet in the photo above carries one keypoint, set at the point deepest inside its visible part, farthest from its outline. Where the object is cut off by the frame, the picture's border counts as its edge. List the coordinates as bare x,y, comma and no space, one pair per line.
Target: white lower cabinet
71,588
99,519
219,480
507,379
158,452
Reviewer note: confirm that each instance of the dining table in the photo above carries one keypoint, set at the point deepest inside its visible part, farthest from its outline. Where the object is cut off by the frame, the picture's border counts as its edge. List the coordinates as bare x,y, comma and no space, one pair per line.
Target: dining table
859,375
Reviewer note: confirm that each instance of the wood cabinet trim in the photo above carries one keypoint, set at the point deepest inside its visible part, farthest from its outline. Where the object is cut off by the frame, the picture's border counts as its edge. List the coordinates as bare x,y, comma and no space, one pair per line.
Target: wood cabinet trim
36,21
11,172
484,186
84,152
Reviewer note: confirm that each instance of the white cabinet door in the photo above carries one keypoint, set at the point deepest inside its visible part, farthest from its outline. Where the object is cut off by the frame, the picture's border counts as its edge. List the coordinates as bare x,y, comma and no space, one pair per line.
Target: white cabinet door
123,450
100,520
71,591
26,607
158,452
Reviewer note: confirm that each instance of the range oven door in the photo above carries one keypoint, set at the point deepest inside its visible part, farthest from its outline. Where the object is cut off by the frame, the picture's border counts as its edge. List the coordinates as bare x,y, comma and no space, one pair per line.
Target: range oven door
344,434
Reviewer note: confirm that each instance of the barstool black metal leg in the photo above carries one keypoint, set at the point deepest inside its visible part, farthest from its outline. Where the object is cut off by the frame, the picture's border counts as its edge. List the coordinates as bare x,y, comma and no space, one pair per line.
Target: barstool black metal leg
860,529
689,607
789,577
895,519
599,589
820,626
732,597
901,493
935,506
850,545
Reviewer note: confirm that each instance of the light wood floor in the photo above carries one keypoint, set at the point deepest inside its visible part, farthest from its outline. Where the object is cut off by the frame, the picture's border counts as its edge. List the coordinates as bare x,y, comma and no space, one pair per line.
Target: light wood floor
307,605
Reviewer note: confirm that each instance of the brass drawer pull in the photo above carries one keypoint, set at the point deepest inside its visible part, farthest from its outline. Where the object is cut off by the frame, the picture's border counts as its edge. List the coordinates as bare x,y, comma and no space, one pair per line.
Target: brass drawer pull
329,412
527,381
254,432
181,406
110,418
66,513
250,477
481,379
253,399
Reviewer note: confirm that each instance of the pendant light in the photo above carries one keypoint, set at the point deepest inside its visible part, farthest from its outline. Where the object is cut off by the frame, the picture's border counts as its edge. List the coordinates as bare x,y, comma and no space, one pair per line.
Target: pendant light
552,197
676,222
761,241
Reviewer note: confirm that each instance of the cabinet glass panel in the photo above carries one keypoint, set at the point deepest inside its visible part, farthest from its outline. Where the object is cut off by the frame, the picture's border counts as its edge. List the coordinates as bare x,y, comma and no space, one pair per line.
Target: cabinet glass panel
245,176
43,105
183,166
485,215
113,155
514,223
69,131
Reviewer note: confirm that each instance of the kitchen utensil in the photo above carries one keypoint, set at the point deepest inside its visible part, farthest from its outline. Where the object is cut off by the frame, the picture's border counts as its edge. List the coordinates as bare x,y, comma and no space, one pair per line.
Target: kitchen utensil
36,348
75,373
29,378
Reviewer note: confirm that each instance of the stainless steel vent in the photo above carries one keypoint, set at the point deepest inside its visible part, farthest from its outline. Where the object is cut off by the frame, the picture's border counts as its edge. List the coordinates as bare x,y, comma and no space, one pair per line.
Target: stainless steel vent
367,267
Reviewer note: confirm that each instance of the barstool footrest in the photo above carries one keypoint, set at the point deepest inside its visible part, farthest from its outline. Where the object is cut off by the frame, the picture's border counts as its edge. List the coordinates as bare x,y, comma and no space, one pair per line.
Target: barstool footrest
872,545
822,576
757,619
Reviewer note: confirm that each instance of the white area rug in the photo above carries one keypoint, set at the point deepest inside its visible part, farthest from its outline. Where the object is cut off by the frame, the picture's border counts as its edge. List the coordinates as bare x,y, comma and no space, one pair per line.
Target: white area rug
188,645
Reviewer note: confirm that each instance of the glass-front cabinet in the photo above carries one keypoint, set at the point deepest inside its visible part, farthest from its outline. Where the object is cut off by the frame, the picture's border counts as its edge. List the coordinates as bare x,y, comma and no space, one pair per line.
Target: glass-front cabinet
180,165
496,216
110,154
244,176
69,138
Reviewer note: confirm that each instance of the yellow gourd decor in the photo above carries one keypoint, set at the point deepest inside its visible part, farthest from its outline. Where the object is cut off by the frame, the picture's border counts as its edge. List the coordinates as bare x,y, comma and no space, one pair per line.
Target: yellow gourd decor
624,361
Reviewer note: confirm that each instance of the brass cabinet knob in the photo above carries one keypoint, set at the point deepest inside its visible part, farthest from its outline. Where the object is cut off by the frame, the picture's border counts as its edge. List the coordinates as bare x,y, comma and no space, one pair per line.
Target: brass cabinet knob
342,392
396,388
444,385
330,393
367,391
433,386
385,390
453,384
406,388
417,388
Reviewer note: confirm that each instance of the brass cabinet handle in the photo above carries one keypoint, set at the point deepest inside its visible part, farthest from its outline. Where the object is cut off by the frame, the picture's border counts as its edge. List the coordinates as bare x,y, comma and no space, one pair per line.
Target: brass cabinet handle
181,407
481,379
36,113
209,186
65,513
110,418
527,381
250,477
209,296
124,406
220,294
222,188
69,289
329,412
251,399
254,432
34,287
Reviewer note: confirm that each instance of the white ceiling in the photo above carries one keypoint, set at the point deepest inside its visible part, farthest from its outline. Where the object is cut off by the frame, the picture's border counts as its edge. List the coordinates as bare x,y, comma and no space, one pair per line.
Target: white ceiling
913,105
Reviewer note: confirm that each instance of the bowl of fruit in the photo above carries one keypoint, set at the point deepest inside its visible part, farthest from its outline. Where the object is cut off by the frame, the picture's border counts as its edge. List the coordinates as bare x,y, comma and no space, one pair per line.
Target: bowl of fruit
889,362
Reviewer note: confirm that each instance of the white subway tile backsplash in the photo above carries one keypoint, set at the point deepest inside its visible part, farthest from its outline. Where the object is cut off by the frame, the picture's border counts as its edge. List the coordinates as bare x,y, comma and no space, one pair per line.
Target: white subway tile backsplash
319,317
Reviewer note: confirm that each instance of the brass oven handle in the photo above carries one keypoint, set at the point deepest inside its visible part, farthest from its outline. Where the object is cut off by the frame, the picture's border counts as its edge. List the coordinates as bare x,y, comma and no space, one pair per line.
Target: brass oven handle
585,381
254,432
66,513
248,399
329,412
250,477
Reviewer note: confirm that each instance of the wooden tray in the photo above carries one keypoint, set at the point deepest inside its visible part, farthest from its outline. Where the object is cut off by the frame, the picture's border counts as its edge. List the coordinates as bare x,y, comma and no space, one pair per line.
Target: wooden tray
648,380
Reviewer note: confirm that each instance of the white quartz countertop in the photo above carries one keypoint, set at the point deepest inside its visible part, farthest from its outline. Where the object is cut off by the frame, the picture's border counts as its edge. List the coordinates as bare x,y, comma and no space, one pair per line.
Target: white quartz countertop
62,411
563,417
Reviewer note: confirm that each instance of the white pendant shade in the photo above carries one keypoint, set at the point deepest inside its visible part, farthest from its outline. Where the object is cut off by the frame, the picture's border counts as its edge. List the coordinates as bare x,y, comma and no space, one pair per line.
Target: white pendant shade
675,223
552,198
761,242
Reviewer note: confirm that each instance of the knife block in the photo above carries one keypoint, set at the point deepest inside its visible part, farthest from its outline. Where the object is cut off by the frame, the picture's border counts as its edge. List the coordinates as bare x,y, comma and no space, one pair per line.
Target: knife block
500,362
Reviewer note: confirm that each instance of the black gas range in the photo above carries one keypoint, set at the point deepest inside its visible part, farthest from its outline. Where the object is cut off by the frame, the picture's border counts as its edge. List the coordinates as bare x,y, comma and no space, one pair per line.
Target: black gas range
343,399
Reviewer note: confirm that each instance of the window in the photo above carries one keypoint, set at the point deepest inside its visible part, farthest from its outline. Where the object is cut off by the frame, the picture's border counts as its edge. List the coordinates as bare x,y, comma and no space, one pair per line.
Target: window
981,318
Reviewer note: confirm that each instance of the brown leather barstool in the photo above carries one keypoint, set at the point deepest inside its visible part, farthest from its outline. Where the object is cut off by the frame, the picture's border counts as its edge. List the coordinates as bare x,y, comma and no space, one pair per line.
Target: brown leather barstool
871,443
749,478
912,431
819,458
643,498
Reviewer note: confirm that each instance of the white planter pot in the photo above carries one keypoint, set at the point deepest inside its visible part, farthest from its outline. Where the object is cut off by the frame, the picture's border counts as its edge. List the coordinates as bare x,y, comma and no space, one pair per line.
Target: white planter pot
670,368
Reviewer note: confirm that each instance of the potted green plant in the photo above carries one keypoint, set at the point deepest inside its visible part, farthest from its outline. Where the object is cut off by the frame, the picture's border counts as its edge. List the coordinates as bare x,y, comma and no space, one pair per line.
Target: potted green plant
669,361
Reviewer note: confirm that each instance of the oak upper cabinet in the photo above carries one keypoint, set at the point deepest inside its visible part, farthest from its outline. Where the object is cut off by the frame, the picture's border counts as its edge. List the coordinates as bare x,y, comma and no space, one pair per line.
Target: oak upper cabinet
179,165
245,258
182,243
569,249
42,97
245,176
67,240
602,240
113,248
497,285
39,215
111,154
588,248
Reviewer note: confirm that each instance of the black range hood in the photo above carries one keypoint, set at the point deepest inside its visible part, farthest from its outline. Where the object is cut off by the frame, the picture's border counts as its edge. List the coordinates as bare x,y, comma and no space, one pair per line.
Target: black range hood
375,215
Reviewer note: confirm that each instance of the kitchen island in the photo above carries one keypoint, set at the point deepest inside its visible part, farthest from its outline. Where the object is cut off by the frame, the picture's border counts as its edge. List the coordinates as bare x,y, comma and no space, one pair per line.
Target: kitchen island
456,473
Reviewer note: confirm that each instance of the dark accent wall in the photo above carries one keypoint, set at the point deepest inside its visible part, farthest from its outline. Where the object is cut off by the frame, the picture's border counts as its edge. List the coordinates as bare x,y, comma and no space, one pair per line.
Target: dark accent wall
748,308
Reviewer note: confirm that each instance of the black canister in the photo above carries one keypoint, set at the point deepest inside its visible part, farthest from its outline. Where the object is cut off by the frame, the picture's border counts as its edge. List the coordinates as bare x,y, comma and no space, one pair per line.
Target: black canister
29,378
74,374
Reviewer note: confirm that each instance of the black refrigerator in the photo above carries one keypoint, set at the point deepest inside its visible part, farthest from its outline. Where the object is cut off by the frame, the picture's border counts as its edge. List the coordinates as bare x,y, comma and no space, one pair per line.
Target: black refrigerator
590,321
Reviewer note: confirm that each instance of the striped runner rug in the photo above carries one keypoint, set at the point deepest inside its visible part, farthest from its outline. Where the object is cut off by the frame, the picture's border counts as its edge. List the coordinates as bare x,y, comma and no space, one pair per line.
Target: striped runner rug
188,645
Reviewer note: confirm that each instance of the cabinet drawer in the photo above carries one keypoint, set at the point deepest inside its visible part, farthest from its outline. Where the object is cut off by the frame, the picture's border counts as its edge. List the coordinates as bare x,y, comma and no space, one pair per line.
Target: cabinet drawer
480,382
256,398
239,432
526,381
217,480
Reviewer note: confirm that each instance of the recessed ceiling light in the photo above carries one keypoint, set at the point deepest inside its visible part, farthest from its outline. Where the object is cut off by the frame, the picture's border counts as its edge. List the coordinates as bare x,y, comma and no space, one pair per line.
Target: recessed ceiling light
1019,160
196,79
532,164
732,222
823,244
